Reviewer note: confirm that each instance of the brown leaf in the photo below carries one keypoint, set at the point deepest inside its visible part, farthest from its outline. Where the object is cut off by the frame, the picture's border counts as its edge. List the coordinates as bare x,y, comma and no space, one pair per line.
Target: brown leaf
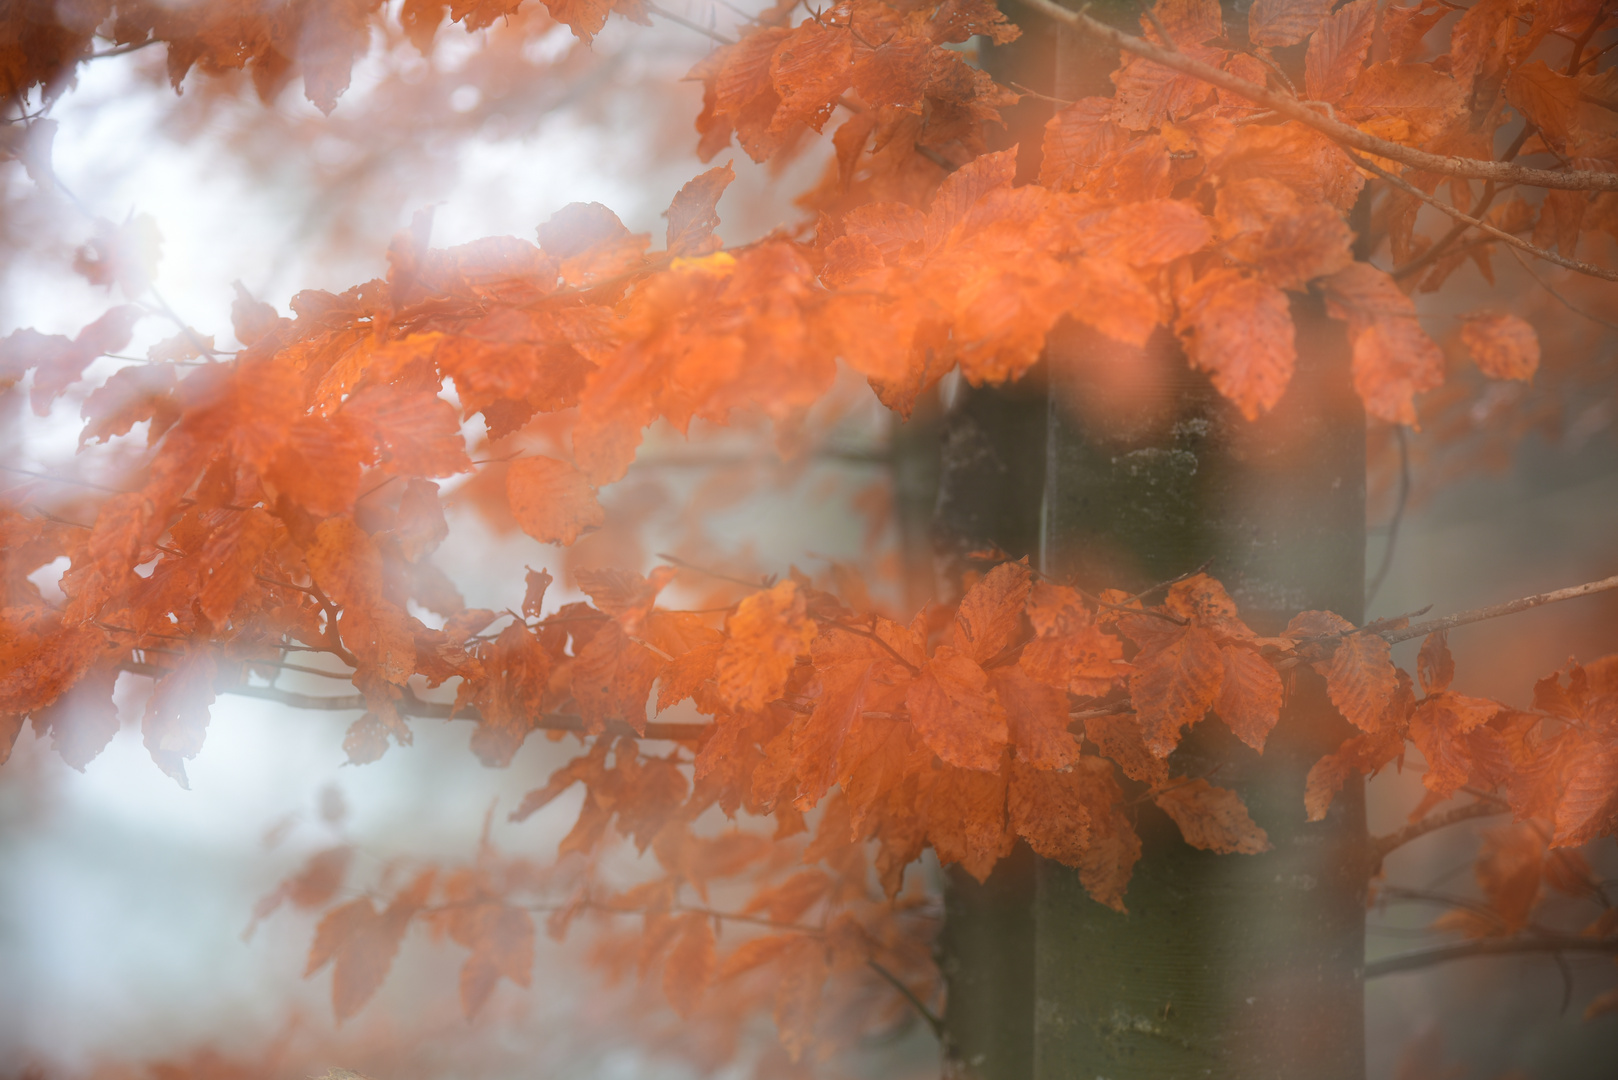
1360,679
1175,685
1502,346
1211,818
1050,811
989,619
1439,728
1273,23
1434,664
692,218
766,634
1118,737
1036,718
1249,699
1338,49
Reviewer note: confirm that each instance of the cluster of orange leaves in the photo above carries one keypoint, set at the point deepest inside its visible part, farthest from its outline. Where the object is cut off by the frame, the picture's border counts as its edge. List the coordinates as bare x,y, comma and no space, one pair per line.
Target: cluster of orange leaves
290,498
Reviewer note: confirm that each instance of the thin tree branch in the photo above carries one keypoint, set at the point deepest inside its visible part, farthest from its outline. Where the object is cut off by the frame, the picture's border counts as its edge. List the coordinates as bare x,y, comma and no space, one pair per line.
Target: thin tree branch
1398,515
410,705
933,1020
681,20
1431,626
1564,301
1499,234
1381,846
61,480
1336,130
1490,190
1423,958
858,632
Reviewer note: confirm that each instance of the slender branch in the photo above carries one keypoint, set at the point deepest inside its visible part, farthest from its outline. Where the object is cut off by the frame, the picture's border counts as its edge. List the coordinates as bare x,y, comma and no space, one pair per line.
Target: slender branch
1148,591
1564,301
1477,223
681,20
1398,516
1336,130
1381,846
1490,190
1422,958
694,568
933,1020
122,50
410,705
858,632
1415,630
61,479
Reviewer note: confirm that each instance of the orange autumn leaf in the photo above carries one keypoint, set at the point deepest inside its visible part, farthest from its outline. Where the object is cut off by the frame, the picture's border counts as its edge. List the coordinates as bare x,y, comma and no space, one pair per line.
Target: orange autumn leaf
1446,728
1434,664
1338,49
1239,330
1037,719
990,616
1284,22
955,711
1174,685
1050,810
1503,346
551,500
767,633
964,812
1394,359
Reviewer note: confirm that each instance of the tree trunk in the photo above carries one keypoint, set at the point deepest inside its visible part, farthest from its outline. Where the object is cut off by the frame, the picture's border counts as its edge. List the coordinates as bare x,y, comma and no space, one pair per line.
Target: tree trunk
1226,965
991,480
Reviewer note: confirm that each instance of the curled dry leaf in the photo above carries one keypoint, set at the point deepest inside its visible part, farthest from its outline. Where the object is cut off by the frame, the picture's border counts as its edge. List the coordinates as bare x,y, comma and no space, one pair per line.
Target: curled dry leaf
1211,818
1503,346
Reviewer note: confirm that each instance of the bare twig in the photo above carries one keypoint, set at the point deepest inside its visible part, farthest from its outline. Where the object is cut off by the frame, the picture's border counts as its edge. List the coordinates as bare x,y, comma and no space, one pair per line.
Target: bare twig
410,705
1490,190
1423,958
860,632
1336,130
1415,630
716,575
1564,301
681,20
1477,223
933,1020
1381,846
61,479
